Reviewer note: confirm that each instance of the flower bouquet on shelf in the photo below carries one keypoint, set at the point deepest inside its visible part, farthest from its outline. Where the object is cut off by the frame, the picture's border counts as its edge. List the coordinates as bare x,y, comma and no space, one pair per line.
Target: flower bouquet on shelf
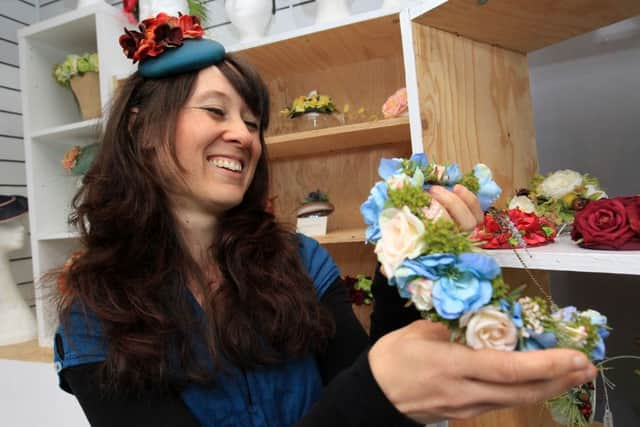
609,224
80,74
359,289
433,264
513,228
559,195
313,213
77,160
396,105
313,111
357,115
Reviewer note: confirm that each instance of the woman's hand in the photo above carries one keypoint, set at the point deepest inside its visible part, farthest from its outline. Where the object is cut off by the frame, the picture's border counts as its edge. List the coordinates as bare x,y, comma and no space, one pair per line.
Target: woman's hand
429,379
461,204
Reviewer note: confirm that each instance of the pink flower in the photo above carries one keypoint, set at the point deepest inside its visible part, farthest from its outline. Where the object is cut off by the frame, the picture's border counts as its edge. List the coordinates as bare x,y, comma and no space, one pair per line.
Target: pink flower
396,104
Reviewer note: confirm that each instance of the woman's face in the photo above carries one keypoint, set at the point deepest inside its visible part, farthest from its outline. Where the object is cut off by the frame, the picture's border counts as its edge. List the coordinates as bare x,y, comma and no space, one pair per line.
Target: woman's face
218,145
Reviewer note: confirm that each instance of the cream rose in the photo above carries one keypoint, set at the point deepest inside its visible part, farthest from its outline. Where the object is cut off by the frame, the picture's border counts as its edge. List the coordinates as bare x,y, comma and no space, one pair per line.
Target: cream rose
401,238
594,193
396,182
523,203
421,293
435,211
490,328
560,183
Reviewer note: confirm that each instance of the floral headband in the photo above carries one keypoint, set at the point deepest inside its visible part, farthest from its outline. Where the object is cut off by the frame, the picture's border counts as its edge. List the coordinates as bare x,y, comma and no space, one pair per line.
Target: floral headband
169,45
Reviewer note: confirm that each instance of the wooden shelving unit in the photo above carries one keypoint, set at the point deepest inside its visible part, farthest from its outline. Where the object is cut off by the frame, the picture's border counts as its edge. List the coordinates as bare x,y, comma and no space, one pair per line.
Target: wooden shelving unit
354,235
340,138
27,352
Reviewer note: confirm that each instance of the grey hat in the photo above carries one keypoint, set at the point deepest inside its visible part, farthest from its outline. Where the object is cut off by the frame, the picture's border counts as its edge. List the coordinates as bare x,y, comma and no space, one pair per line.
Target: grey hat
12,207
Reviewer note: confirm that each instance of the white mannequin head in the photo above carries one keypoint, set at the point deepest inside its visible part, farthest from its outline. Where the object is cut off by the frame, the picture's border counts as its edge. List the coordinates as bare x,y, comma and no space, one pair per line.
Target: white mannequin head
11,235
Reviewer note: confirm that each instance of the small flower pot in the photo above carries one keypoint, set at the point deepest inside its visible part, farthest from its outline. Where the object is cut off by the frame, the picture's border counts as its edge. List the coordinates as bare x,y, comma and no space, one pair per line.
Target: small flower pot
86,89
312,225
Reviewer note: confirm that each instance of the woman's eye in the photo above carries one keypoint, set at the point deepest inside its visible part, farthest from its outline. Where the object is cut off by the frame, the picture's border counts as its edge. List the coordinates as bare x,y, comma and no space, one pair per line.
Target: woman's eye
215,111
251,125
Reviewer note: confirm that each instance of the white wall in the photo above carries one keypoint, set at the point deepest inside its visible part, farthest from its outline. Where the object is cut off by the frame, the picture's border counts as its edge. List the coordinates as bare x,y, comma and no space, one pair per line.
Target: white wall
586,103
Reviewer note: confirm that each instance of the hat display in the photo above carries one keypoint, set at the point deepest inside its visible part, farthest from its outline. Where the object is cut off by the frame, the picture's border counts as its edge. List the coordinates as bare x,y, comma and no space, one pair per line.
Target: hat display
12,207
169,45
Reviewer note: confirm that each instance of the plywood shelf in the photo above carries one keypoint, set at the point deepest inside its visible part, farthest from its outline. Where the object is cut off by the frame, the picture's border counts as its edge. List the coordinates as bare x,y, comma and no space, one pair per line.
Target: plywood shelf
325,48
340,138
354,235
565,255
27,352
524,25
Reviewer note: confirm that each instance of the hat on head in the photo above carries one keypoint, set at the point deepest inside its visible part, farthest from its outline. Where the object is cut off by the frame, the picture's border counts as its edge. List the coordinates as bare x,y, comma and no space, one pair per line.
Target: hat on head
12,207
169,45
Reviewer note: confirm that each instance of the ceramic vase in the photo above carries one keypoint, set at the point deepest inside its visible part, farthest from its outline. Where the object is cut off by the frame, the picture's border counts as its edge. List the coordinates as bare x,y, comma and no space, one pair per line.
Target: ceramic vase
149,8
250,17
331,10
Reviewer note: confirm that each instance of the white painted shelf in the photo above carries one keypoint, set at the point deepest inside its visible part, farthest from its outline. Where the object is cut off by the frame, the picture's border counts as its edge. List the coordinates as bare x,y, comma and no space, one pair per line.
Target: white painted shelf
84,130
565,255
59,236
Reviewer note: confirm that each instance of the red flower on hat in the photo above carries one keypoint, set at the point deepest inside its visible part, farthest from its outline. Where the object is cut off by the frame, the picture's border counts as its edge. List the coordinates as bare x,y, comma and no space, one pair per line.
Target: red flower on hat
159,33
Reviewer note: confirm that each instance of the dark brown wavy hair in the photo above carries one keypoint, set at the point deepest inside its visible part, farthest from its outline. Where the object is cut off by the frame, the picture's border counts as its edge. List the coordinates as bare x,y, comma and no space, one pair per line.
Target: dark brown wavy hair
133,272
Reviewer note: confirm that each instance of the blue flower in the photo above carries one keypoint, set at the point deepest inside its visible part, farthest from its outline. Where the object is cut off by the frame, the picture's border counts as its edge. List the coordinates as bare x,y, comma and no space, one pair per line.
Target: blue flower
566,314
420,159
452,175
371,209
423,266
598,319
482,266
539,341
598,351
489,191
457,294
389,167
514,312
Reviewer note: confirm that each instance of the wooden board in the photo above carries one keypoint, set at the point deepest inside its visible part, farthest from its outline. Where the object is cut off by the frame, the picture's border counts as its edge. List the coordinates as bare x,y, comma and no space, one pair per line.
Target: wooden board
325,50
346,176
339,138
27,352
527,25
476,106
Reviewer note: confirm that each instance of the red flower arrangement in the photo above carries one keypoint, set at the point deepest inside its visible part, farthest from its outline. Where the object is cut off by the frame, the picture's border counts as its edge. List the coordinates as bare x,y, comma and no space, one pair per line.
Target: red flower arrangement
609,224
158,34
359,289
534,230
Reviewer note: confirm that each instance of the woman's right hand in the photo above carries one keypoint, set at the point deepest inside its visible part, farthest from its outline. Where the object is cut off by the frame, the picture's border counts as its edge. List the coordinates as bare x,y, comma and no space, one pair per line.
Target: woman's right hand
429,379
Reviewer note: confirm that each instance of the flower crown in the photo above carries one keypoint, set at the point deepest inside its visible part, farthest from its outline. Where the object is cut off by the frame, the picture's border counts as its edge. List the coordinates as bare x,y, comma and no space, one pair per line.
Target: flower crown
156,45
434,265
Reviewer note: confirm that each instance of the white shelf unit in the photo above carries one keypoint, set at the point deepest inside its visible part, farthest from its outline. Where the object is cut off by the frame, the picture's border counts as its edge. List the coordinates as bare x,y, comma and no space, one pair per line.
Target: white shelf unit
565,255
53,124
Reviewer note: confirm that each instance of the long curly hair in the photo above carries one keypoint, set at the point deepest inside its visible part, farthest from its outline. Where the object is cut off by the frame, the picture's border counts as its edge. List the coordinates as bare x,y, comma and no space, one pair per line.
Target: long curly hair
134,269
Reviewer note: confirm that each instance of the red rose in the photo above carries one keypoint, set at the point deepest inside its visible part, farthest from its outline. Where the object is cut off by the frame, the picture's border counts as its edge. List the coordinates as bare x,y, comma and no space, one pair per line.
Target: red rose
632,205
604,224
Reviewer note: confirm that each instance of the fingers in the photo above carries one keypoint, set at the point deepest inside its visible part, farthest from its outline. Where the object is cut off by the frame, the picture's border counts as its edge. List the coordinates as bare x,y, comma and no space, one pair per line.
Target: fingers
471,201
425,329
506,395
522,367
456,206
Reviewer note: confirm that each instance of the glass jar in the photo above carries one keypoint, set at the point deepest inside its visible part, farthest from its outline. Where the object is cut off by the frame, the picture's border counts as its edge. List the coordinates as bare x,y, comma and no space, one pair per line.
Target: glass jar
313,121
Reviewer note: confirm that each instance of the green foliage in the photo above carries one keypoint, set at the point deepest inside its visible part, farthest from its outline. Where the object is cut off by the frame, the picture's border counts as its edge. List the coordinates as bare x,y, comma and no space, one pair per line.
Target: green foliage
316,196
470,181
75,65
443,236
198,8
410,196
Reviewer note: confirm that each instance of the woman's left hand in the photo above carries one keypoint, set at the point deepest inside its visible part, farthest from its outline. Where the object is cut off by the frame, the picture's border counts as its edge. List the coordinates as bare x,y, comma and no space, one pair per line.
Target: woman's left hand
461,204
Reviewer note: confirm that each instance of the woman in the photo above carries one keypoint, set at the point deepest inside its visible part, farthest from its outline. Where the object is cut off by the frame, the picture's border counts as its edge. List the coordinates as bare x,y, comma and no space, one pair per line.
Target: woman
190,305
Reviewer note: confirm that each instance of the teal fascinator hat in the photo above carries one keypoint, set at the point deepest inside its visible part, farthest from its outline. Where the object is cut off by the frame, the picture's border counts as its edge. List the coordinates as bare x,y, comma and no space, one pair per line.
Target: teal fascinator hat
169,45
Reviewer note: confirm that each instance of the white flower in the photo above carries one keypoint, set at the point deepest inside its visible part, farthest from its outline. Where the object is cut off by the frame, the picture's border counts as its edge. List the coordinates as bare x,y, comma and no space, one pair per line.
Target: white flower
490,328
396,182
523,203
594,193
421,293
435,211
577,335
401,238
560,183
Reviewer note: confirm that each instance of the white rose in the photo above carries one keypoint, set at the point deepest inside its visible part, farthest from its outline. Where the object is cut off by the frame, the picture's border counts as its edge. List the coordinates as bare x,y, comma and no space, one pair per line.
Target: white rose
594,193
396,182
490,328
523,203
560,183
435,211
401,238
421,293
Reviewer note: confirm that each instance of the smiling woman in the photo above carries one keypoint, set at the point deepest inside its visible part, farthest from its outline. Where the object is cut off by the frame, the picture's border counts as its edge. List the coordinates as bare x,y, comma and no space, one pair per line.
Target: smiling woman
189,304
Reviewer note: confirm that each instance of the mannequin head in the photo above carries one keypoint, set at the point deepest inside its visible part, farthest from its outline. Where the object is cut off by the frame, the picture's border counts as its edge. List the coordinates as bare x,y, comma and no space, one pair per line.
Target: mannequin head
11,235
